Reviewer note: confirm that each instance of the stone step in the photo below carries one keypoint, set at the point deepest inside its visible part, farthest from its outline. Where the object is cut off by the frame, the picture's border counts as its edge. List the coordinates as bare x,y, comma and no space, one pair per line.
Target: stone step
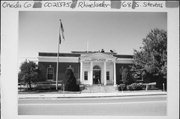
99,89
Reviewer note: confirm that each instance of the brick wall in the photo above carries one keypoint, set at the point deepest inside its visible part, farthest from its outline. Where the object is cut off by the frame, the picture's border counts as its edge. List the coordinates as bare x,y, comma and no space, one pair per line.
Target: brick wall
62,68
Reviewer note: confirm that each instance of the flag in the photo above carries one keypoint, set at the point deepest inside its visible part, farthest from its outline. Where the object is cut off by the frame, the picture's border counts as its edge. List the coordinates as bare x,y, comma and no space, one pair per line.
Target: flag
62,30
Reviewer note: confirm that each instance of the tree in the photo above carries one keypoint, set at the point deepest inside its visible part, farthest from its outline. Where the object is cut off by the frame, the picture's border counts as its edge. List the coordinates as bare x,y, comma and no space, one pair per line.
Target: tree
125,75
28,73
152,56
70,81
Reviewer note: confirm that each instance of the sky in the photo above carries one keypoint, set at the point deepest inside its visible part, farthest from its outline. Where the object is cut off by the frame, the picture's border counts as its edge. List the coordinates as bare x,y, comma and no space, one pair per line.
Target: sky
119,31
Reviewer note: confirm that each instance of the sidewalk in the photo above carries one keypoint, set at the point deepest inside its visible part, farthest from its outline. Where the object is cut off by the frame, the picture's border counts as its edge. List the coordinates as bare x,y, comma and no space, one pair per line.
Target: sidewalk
90,95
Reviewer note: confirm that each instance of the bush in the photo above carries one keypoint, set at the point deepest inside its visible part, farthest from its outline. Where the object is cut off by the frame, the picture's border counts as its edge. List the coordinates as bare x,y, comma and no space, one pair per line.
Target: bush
70,81
135,86
121,87
82,87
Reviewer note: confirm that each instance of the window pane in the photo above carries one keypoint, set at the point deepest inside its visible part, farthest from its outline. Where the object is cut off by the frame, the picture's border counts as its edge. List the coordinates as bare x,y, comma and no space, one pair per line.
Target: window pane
50,70
85,75
50,76
50,73
107,75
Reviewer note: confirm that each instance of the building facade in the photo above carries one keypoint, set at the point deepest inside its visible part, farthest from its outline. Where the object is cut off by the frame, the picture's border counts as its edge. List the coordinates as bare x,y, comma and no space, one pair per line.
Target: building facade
89,68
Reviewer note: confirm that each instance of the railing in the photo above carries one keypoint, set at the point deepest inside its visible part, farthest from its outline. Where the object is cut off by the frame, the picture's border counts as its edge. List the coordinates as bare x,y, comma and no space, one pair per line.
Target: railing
149,85
46,85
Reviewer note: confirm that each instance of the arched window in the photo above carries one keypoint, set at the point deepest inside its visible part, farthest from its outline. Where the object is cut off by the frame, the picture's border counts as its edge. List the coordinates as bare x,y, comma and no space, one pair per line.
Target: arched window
96,67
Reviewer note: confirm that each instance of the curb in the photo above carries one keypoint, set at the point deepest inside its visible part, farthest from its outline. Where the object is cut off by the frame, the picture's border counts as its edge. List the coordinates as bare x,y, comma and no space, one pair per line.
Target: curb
87,95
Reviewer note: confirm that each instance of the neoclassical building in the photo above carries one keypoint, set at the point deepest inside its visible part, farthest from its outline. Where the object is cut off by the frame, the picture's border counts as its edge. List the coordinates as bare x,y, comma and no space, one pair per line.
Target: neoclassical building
89,68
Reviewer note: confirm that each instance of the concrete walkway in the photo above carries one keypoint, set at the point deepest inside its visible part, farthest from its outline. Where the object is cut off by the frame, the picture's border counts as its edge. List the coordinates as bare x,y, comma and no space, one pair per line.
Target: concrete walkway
89,95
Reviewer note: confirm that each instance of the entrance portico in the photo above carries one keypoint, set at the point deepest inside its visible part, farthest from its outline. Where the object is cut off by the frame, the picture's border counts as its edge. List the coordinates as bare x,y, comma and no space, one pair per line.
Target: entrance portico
98,68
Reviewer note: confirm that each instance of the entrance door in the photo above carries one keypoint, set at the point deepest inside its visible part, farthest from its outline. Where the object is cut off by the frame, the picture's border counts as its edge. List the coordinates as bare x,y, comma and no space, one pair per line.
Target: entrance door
96,75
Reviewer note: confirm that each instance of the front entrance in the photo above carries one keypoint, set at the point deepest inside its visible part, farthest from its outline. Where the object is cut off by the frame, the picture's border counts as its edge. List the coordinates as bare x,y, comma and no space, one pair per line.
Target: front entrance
96,75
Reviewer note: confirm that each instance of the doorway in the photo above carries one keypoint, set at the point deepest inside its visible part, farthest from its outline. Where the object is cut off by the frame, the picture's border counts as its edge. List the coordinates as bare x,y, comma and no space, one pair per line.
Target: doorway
96,75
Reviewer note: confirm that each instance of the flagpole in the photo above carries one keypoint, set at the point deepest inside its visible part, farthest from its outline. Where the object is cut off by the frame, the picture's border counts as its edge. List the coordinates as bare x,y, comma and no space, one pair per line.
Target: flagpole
57,68
57,65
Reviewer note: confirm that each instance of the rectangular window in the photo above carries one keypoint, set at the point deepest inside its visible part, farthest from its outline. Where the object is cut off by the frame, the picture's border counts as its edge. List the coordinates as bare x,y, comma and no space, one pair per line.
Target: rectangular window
107,75
85,75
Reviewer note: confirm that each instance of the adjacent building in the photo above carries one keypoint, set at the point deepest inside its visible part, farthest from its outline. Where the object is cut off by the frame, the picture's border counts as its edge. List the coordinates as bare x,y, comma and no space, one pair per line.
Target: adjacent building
89,68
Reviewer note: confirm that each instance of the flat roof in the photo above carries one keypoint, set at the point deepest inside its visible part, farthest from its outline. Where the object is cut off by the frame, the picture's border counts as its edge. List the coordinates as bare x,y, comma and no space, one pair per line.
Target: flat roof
48,54
60,54
123,56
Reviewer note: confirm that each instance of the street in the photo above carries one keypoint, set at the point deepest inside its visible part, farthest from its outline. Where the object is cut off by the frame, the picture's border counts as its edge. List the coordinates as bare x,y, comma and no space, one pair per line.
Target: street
113,106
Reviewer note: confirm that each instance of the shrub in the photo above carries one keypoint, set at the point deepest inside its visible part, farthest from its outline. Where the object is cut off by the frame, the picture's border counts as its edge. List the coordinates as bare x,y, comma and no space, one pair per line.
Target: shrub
121,87
82,87
135,86
70,81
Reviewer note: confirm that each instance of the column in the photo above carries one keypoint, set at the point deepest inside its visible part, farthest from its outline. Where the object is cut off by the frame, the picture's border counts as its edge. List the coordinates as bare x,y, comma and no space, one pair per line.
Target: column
114,73
105,81
91,73
81,72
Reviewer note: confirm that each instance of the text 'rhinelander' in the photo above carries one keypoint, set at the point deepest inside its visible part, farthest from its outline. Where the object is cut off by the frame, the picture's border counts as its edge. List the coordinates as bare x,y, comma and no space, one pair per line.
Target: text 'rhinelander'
92,4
